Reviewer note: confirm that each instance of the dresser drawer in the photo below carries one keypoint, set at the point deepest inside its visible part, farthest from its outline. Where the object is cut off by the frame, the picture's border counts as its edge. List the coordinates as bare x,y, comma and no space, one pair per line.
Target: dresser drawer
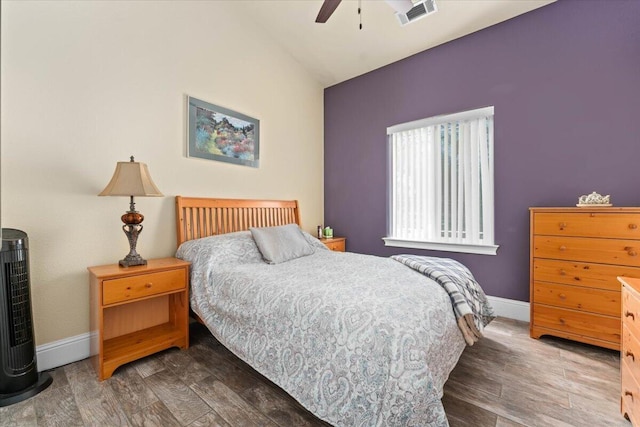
597,326
128,288
591,275
604,251
578,298
631,310
588,224
629,394
631,351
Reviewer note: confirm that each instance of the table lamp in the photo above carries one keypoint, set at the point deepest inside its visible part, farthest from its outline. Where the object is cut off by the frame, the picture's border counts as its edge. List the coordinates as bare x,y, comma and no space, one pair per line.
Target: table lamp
131,179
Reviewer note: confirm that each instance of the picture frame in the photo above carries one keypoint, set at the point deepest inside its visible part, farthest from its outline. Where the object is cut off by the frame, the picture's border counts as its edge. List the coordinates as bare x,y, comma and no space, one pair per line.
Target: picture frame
218,133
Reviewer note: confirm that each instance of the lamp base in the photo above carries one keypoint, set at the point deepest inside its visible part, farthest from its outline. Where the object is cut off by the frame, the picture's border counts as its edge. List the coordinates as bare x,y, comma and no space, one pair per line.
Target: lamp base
132,231
130,261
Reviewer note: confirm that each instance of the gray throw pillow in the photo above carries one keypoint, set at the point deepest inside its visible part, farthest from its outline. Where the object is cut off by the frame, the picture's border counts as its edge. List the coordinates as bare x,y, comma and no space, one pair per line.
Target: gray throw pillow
282,243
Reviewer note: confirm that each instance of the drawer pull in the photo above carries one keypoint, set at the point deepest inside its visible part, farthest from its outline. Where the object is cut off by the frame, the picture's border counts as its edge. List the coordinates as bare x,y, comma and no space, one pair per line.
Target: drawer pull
632,253
562,272
563,248
561,320
562,225
633,226
628,393
562,296
629,314
630,354
148,285
576,278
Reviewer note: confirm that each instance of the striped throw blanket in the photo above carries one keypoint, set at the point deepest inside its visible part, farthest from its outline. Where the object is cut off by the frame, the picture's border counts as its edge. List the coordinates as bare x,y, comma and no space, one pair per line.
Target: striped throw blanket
470,305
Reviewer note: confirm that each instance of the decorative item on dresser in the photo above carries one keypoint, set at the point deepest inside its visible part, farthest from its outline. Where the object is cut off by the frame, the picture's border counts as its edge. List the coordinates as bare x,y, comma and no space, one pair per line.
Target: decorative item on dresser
576,255
337,244
629,365
137,311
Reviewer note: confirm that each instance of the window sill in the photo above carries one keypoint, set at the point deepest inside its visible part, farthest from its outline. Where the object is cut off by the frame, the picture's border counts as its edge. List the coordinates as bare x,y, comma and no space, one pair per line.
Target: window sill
447,247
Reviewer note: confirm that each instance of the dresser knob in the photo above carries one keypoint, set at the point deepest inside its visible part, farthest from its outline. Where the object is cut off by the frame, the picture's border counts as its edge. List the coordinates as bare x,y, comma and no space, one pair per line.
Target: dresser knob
632,252
563,248
562,322
562,296
633,226
562,225
562,272
577,279
630,354
629,314
148,285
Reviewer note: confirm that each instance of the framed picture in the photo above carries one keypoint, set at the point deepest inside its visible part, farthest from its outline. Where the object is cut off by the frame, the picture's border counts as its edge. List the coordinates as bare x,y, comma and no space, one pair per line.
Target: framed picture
217,133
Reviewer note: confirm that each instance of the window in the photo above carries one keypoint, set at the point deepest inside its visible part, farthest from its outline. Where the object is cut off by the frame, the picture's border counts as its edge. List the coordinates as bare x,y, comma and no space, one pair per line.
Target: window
441,183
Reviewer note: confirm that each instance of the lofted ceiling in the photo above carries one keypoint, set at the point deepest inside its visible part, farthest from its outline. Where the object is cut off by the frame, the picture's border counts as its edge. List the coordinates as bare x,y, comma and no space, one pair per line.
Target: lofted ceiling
338,50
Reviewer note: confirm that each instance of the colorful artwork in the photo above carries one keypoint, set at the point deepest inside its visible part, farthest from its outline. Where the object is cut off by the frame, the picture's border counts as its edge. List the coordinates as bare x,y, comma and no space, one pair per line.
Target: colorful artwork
217,133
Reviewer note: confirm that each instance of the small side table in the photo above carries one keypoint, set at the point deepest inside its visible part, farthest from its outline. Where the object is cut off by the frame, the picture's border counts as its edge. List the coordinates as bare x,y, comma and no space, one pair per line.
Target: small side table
337,244
137,311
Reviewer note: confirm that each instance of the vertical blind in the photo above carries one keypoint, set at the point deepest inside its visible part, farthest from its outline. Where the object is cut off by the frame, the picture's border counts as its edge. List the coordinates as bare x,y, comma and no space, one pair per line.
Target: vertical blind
441,173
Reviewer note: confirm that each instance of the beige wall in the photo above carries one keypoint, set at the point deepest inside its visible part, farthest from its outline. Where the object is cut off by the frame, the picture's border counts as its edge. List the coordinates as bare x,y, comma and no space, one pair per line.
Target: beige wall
87,84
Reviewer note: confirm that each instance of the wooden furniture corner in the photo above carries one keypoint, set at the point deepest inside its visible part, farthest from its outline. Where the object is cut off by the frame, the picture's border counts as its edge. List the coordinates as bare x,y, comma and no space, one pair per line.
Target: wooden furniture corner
137,311
337,244
629,366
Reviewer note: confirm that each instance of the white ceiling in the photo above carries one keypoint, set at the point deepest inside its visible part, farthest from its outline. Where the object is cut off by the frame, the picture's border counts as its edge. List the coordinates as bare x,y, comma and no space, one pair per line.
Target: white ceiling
337,50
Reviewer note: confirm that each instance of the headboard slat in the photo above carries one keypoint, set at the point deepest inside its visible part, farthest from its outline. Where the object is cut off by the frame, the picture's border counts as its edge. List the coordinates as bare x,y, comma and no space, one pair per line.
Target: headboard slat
202,217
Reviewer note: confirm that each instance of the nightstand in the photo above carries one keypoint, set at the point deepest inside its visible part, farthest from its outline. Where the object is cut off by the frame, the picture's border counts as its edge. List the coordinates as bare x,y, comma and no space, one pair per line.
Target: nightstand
137,311
335,243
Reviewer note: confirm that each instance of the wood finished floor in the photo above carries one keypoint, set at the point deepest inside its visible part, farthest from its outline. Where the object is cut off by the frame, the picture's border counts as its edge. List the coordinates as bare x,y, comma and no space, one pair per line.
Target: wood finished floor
507,379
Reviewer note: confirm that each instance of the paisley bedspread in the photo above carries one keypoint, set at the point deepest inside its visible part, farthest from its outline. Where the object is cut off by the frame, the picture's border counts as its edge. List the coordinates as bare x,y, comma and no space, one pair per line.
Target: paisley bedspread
358,340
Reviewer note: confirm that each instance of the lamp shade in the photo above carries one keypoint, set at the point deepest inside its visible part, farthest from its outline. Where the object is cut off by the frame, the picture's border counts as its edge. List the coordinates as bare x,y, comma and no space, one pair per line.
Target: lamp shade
131,179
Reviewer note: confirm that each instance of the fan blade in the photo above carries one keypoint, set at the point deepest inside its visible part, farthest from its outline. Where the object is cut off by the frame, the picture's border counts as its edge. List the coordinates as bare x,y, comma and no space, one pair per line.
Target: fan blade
327,10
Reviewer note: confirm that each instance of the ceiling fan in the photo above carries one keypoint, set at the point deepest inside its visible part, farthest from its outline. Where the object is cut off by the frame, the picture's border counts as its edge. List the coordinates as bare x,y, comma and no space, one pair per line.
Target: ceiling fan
329,6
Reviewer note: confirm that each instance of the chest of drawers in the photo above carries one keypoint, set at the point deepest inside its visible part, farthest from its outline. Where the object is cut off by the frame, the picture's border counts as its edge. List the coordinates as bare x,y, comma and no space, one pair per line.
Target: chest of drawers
576,255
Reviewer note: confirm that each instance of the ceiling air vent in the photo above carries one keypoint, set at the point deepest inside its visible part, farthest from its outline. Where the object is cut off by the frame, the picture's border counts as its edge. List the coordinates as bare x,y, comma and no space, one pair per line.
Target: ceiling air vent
420,9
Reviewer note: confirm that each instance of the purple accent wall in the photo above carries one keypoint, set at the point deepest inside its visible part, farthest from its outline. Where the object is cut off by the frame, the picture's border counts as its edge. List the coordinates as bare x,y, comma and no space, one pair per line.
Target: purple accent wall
565,83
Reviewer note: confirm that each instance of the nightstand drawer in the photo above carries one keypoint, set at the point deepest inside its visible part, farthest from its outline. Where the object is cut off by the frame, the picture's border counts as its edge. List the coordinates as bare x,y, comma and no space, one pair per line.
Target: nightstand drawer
337,244
129,288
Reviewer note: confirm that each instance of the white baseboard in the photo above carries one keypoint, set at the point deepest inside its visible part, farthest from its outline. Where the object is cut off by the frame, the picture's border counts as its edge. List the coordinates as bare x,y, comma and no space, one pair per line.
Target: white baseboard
63,352
72,349
510,308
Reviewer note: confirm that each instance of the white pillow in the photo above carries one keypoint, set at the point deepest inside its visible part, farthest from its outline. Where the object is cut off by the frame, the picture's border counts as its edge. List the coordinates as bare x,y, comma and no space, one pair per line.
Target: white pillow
282,243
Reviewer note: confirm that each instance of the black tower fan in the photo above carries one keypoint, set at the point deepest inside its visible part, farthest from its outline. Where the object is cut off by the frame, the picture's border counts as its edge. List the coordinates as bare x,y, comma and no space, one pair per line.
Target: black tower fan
19,378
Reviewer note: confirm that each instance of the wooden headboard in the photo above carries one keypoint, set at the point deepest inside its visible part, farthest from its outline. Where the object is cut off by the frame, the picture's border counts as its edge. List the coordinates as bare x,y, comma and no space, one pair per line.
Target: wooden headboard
202,217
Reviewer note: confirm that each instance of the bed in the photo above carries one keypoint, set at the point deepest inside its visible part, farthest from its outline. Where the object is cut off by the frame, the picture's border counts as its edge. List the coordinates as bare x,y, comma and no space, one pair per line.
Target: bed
358,340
